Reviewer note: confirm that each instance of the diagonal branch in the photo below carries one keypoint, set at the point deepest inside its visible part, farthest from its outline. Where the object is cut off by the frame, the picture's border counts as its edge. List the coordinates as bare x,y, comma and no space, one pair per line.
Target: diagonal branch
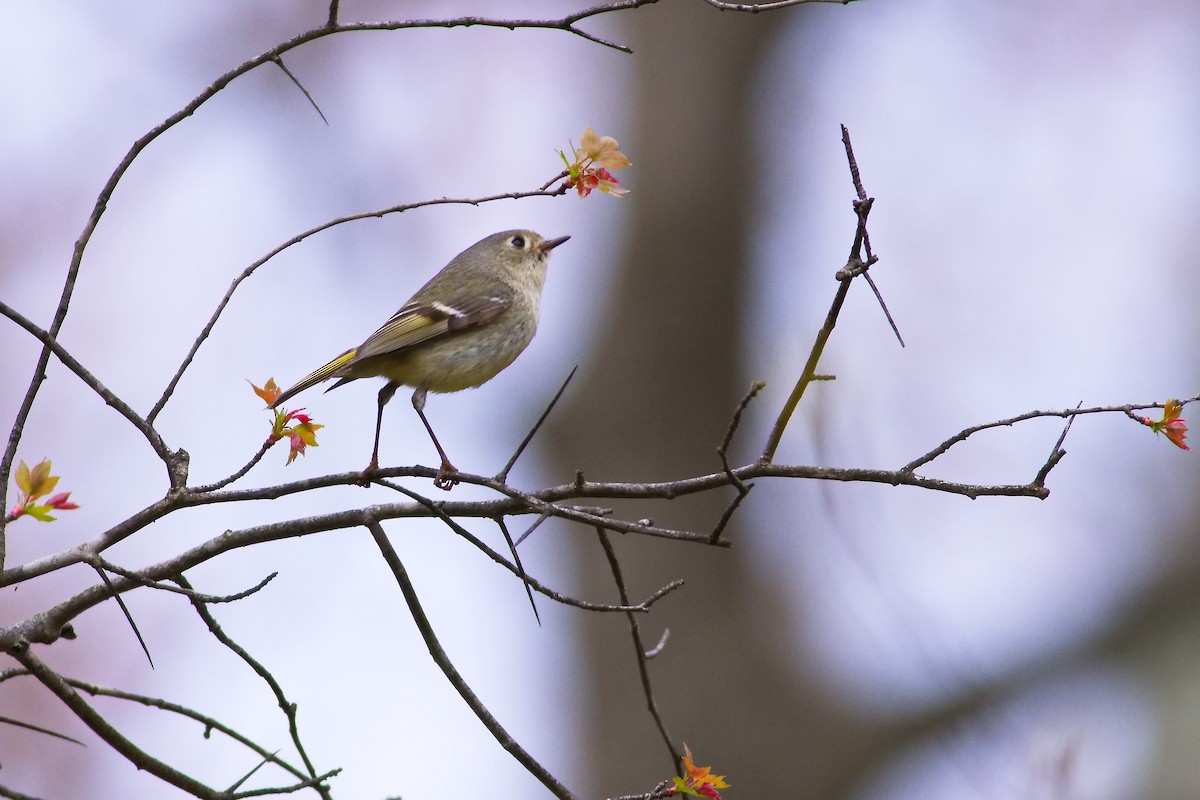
456,680
145,427
640,648
502,475
288,708
63,690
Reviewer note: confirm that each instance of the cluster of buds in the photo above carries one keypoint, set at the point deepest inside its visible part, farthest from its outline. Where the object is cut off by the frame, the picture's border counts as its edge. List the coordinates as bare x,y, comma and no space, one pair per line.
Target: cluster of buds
593,164
295,426
698,781
1171,425
34,484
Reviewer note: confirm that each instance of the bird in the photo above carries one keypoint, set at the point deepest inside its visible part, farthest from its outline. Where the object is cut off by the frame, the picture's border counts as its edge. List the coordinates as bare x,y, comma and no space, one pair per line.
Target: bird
458,331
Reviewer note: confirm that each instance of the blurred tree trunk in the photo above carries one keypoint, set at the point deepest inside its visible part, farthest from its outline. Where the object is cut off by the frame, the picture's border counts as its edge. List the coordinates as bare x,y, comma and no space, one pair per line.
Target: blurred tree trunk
653,401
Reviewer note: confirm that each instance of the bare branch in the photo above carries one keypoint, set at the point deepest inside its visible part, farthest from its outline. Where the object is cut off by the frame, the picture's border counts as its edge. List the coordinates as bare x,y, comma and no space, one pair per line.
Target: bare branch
12,794
439,511
723,451
861,258
512,548
221,484
143,426
209,723
502,475
1065,413
124,610
279,63
194,595
63,690
29,726
636,634
456,680
754,8
288,708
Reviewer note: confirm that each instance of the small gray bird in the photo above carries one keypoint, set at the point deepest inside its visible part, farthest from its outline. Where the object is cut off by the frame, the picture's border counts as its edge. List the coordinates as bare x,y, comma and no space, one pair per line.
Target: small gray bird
458,331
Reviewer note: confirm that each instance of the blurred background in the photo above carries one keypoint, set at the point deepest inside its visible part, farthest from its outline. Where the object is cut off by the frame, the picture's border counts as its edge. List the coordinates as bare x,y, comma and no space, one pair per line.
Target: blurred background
1032,167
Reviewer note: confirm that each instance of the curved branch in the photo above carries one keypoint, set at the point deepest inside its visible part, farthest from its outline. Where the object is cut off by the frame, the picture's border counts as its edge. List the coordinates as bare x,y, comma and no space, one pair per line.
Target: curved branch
65,692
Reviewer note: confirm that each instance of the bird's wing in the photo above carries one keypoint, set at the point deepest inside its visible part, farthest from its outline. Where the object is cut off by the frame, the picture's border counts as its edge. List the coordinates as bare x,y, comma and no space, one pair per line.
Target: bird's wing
421,321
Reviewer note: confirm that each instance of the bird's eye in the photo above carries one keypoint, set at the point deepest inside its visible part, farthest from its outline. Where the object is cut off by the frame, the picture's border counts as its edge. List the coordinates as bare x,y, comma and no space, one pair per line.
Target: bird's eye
517,242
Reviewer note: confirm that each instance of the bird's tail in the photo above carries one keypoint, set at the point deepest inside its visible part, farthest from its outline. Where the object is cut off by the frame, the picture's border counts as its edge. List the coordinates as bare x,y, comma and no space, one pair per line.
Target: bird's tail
324,373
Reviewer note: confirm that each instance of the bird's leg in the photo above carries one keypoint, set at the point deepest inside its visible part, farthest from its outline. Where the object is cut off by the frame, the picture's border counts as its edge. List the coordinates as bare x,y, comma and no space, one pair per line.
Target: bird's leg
442,480
385,394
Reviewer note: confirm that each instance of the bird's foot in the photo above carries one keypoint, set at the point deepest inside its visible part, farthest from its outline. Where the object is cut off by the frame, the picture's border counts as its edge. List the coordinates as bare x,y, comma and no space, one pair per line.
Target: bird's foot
444,478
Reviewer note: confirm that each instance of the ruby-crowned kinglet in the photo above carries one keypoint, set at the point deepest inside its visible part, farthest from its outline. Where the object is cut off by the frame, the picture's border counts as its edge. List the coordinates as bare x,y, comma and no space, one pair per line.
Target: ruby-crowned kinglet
458,331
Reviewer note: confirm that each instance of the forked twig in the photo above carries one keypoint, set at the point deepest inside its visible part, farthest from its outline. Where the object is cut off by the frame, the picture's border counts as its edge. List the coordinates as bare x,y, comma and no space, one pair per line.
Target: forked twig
63,690
439,511
288,708
1056,452
742,487
138,578
809,372
636,634
512,548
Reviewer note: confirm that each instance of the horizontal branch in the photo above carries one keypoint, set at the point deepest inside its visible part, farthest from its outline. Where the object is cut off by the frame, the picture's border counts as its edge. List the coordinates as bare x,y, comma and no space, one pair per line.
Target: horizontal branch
543,502
1065,413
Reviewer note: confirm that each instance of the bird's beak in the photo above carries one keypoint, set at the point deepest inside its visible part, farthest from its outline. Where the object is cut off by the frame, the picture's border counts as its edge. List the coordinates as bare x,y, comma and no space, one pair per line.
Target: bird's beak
550,244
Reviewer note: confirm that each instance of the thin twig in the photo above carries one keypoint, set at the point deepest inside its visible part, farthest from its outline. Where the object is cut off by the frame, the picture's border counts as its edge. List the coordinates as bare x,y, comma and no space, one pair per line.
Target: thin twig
1065,413
755,8
61,689
743,489
502,475
1056,452
512,548
262,762
209,723
456,680
859,260
163,587
29,726
536,524
662,643
279,63
640,649
13,794
287,707
221,484
438,511
124,610
145,427
862,208
308,783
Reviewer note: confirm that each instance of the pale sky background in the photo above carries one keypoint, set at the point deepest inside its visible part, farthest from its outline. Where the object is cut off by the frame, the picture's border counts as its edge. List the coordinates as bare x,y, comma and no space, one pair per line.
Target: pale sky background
1033,166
